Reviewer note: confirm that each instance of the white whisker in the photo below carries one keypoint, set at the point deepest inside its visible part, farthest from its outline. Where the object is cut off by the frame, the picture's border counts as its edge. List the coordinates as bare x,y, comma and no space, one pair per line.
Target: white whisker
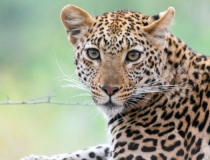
80,95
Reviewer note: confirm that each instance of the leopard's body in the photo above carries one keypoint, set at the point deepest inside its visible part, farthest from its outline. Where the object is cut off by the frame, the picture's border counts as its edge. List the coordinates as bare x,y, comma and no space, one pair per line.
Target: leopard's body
153,89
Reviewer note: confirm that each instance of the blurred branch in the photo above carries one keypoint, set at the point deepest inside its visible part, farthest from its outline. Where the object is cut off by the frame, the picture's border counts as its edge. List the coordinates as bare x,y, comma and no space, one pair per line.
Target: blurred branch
42,100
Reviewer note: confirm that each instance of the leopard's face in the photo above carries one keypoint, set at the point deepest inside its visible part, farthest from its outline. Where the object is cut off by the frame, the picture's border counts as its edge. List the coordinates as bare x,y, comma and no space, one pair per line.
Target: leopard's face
115,56
117,62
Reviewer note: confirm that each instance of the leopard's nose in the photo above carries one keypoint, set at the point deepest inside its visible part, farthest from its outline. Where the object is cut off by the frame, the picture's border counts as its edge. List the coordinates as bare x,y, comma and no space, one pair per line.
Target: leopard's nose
110,90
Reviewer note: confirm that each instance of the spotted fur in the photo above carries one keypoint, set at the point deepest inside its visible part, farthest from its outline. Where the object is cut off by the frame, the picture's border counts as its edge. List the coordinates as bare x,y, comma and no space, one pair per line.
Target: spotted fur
157,106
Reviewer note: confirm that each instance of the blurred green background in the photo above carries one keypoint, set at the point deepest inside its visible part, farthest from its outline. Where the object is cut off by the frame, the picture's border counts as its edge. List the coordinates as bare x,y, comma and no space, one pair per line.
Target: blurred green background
32,41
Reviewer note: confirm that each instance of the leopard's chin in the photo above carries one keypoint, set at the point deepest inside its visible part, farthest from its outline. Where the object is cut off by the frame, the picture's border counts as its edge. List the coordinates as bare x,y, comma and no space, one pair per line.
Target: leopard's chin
111,109
110,105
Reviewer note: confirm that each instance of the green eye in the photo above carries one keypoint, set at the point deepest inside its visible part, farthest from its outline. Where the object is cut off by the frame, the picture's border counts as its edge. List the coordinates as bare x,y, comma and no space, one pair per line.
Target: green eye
133,56
93,53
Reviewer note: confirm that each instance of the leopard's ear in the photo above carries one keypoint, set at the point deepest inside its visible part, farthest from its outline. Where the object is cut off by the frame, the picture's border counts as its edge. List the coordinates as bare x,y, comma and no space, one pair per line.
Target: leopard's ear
76,21
157,29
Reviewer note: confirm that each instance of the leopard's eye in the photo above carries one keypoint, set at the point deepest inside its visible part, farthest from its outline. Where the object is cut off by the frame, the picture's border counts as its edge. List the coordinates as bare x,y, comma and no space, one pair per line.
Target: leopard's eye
93,54
133,56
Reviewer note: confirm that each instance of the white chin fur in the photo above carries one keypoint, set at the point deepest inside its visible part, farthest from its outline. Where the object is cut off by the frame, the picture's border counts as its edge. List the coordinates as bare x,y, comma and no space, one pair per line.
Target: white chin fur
111,112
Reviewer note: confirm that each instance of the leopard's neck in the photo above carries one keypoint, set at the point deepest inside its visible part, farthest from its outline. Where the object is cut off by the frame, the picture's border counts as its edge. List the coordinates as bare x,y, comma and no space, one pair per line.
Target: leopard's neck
187,64
178,53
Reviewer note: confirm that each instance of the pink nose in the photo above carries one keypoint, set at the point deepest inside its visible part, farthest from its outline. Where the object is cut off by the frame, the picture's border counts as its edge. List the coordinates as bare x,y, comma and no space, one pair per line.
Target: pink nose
109,90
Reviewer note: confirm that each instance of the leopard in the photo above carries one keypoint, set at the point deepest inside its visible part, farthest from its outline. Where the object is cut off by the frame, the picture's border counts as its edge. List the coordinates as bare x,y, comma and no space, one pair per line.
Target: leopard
153,90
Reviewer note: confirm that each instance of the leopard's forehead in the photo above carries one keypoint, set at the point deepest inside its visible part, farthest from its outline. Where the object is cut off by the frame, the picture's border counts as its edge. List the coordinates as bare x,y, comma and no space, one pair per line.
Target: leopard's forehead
117,30
119,20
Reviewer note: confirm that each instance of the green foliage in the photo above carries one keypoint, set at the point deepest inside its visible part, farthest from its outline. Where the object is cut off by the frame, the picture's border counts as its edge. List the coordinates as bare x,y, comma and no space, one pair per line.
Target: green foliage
32,40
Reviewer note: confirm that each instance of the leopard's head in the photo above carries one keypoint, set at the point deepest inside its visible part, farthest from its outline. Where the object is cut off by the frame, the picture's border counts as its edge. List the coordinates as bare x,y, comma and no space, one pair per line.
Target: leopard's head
118,55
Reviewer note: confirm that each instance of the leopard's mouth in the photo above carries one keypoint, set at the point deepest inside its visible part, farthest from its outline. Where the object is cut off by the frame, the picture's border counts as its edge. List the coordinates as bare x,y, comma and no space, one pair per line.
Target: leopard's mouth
110,104
111,108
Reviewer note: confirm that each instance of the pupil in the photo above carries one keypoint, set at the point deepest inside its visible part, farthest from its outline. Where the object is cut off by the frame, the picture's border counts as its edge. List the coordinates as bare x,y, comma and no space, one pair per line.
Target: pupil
133,55
94,53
